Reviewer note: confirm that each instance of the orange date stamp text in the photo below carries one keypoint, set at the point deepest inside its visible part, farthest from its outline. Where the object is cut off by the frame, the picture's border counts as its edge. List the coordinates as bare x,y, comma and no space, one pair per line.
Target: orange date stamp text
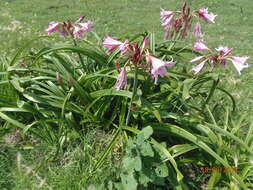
219,169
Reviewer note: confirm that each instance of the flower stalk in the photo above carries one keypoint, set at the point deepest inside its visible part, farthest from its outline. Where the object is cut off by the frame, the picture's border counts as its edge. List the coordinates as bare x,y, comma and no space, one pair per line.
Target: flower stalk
79,55
133,96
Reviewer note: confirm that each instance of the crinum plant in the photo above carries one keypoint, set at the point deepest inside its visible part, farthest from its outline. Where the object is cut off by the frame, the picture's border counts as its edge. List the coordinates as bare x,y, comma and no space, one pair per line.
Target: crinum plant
124,86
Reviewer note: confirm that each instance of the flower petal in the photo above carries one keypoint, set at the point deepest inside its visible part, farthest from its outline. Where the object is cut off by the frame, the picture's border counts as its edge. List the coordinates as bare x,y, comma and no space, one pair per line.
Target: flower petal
239,63
196,59
121,80
53,27
111,43
167,18
86,27
124,47
198,68
223,50
200,46
203,13
158,67
197,30
145,43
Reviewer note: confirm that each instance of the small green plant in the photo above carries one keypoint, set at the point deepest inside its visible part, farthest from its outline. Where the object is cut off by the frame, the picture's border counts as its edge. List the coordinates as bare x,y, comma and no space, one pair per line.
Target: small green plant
143,165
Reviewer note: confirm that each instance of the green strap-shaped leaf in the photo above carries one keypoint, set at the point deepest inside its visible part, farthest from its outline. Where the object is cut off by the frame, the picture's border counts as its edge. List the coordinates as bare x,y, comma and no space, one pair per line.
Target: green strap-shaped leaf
108,149
85,51
24,47
111,92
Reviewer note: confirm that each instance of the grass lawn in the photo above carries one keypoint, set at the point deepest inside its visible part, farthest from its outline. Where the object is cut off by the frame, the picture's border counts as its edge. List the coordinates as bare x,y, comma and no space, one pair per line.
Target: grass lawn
21,20
25,19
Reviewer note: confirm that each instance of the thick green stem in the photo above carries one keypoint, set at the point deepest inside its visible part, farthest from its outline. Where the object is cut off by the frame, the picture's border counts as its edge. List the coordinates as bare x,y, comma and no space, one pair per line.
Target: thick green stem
214,86
79,55
133,95
174,41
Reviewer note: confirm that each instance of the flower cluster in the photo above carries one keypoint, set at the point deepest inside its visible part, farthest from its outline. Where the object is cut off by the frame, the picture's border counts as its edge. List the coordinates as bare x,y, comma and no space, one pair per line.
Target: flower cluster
178,23
137,54
76,29
216,57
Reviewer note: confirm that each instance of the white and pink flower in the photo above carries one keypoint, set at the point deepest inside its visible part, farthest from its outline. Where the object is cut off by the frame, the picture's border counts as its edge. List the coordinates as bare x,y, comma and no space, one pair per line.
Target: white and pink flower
113,44
56,27
197,30
200,46
87,26
219,58
167,18
158,67
223,50
121,80
76,29
81,28
197,59
239,63
208,17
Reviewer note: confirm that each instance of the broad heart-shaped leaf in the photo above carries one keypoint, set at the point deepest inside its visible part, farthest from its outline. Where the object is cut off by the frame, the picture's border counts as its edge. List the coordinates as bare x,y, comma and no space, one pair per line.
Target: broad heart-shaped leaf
132,163
146,149
128,181
144,179
144,134
138,163
163,149
162,170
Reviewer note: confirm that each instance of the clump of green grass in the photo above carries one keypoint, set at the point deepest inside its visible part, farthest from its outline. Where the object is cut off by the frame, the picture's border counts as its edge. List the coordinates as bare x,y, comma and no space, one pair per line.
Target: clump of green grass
35,168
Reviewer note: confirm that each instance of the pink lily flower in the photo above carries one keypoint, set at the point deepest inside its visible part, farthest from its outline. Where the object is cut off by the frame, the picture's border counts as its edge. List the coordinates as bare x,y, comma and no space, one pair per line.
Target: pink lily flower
223,55
78,33
121,80
239,63
224,51
124,47
86,27
197,30
113,44
219,58
203,13
167,18
158,67
200,46
56,27
75,29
